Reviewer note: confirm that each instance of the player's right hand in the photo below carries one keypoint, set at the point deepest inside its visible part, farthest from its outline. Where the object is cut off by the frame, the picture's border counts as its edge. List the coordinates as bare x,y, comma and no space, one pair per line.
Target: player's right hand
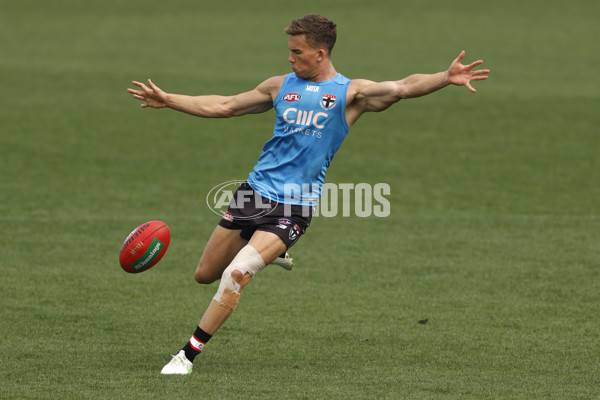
152,96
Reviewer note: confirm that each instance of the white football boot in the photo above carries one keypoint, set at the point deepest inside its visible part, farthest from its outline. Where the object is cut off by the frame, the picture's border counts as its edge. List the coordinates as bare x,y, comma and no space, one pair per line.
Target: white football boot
286,262
179,365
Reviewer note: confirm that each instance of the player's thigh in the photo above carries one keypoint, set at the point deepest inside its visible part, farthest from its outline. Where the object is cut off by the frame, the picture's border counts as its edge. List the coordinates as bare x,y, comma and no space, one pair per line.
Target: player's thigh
268,244
221,248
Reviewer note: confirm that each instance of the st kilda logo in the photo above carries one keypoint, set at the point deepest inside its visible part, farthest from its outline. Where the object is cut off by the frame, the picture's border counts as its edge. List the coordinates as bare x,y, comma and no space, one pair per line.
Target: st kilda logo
328,101
291,97
294,232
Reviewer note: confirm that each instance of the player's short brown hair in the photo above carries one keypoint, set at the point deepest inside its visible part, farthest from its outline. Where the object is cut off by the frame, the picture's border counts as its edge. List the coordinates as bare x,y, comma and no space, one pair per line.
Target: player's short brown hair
319,30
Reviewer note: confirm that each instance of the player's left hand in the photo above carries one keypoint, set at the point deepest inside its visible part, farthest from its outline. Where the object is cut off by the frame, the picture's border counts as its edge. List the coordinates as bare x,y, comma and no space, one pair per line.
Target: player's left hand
462,75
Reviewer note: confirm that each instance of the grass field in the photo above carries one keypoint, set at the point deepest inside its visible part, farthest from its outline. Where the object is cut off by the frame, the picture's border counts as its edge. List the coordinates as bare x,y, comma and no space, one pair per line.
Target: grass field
493,236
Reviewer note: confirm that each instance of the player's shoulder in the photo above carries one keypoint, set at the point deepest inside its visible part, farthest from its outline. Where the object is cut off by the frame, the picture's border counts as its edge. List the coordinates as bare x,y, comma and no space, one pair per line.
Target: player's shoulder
273,81
272,84
356,86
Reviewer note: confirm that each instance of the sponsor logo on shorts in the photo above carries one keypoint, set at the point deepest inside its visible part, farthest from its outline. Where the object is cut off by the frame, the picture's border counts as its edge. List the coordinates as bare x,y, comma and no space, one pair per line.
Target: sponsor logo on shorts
228,217
291,97
294,232
282,226
284,221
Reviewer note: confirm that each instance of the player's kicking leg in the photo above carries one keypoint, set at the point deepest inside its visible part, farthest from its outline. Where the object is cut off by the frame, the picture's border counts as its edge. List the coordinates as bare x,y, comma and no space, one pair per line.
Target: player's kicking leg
284,261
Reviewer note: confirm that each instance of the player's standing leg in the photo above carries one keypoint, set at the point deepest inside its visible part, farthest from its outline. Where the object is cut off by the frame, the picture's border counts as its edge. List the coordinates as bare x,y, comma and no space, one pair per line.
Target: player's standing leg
262,249
218,253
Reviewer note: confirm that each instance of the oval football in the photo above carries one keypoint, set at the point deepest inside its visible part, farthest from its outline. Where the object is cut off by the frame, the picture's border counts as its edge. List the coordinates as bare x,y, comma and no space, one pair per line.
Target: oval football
144,246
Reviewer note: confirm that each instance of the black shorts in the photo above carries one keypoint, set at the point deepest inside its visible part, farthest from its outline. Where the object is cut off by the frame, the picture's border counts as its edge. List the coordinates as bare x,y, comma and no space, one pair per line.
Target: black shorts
257,213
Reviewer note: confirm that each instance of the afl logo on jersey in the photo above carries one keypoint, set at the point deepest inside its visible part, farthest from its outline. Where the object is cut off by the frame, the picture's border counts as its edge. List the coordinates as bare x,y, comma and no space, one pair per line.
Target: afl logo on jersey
291,97
328,101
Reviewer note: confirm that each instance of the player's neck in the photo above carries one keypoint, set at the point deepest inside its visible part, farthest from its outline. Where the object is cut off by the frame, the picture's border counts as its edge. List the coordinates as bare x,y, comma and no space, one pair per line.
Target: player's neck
325,73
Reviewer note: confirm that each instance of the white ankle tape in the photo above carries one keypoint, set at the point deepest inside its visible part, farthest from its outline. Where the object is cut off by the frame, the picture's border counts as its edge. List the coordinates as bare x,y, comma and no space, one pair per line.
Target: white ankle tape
247,260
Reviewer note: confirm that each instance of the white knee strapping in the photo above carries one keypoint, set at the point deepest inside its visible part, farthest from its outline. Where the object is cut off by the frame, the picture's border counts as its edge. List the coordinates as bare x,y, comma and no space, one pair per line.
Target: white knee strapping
246,260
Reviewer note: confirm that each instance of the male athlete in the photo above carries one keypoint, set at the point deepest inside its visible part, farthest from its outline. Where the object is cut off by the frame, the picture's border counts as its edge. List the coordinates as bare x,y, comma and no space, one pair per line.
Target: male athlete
314,108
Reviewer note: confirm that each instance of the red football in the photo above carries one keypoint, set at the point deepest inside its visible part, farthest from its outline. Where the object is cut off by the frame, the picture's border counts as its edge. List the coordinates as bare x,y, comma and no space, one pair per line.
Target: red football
145,246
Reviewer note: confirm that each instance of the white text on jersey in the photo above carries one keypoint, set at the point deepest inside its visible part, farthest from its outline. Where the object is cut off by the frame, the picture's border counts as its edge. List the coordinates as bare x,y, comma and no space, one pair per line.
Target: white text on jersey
304,117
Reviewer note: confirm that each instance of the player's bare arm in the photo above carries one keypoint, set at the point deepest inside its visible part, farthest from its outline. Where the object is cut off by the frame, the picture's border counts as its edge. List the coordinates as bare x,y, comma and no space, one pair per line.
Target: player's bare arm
254,101
369,96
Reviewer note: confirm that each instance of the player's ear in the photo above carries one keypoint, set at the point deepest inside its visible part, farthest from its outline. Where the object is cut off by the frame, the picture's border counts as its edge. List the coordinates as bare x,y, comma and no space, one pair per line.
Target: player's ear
321,54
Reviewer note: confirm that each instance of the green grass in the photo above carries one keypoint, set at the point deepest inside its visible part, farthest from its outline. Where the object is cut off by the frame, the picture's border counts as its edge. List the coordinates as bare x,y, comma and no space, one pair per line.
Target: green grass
492,238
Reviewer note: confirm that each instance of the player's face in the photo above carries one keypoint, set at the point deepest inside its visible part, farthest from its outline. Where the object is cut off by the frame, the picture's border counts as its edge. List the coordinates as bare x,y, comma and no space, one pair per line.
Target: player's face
303,57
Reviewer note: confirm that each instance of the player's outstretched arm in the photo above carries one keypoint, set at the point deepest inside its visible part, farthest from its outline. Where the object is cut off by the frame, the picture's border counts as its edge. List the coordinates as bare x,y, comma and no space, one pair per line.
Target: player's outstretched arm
373,96
457,74
211,106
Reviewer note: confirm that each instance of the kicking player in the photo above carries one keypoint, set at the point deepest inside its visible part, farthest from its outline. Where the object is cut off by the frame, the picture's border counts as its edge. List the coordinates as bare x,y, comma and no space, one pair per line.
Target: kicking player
315,106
